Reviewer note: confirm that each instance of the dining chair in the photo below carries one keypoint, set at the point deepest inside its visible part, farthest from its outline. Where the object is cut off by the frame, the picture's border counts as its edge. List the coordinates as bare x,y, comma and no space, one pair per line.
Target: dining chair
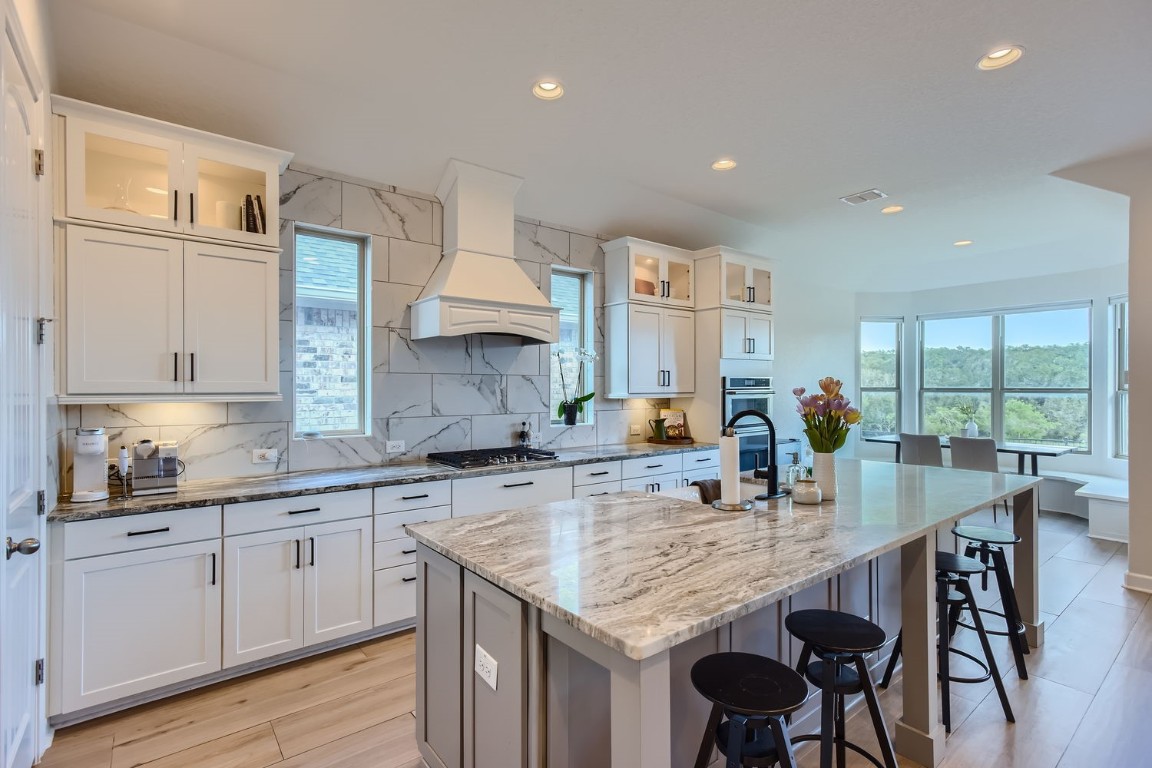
978,453
921,449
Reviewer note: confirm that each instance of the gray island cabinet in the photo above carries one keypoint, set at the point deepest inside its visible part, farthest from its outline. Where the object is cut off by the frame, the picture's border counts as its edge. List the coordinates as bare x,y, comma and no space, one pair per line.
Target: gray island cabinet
561,635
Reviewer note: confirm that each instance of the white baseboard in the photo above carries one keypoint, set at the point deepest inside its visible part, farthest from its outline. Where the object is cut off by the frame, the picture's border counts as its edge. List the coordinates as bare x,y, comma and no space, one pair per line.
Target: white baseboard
1138,581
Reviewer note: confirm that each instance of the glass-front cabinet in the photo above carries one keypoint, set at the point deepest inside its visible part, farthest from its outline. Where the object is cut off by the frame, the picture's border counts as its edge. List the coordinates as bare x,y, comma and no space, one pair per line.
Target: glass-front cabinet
651,273
728,278
117,175
747,285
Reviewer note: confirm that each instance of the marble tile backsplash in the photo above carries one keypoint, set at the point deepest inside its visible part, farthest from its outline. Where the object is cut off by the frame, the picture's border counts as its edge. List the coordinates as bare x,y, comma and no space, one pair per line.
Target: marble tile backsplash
434,394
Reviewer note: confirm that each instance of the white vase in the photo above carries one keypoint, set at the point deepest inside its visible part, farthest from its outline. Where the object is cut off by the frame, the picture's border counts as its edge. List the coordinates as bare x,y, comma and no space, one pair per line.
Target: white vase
971,429
824,473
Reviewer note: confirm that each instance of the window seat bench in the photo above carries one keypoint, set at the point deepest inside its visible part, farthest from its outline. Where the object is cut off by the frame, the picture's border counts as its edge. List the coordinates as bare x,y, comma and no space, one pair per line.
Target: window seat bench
1106,499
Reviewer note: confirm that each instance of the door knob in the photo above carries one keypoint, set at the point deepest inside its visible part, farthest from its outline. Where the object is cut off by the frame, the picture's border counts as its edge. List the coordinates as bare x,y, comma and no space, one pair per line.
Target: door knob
26,547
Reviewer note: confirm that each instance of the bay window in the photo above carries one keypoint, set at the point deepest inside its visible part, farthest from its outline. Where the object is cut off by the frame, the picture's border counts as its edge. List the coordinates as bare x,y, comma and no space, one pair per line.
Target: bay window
880,376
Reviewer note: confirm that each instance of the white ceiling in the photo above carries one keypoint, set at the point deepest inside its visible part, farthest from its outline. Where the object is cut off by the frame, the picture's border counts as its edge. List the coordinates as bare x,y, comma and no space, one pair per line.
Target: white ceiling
814,99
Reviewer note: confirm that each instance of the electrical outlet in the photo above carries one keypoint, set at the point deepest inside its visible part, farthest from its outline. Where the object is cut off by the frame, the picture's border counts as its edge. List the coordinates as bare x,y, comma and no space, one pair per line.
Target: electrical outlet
265,455
394,446
486,666
634,429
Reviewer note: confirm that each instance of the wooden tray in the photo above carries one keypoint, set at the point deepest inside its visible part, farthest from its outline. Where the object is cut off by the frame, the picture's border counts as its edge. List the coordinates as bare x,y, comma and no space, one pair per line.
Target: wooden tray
672,441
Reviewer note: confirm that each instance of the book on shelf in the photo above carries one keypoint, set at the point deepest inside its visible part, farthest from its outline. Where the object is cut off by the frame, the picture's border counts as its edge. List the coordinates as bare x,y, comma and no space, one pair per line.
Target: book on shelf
260,217
250,224
675,422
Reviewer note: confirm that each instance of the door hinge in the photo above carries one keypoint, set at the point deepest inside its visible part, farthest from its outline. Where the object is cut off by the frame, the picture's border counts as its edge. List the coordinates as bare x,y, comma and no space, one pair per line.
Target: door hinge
38,162
42,327
41,502
39,671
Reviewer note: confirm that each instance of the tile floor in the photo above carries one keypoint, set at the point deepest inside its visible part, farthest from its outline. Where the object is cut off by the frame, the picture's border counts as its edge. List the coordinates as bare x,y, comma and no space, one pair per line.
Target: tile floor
1085,703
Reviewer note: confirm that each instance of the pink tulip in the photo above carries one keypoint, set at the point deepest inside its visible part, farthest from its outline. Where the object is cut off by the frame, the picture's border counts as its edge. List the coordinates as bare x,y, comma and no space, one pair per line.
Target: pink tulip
798,391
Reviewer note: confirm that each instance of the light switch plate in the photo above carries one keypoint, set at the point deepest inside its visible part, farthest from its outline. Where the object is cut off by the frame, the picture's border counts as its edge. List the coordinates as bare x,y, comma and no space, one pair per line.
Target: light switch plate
634,429
394,446
265,455
486,666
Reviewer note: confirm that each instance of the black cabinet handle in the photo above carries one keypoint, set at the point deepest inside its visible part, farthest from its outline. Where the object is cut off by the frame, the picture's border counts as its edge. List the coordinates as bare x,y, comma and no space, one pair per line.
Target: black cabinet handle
652,466
297,542
175,205
417,496
657,485
213,568
753,289
519,485
193,366
165,529
303,511
597,474
191,207
408,578
407,551
312,550
175,366
602,493
703,460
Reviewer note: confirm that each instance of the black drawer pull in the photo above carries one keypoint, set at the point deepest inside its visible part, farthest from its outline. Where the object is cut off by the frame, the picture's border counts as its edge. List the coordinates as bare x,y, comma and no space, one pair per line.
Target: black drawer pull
417,496
408,578
303,511
165,529
602,493
703,459
652,466
297,541
519,485
597,474
407,551
213,569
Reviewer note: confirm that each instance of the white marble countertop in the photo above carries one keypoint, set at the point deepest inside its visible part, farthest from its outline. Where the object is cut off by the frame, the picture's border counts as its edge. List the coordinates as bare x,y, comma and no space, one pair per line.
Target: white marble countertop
642,573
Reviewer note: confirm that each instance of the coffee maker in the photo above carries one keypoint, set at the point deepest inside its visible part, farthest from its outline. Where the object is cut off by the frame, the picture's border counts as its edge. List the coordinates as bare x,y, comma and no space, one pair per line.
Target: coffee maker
90,465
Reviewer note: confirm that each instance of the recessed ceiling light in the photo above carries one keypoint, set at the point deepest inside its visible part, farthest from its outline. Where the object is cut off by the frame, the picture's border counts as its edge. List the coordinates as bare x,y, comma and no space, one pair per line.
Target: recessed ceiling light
547,89
724,164
892,209
962,242
1000,58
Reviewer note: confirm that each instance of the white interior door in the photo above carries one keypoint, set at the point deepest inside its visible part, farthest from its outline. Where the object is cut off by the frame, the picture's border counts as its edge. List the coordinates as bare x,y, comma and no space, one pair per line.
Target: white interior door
22,445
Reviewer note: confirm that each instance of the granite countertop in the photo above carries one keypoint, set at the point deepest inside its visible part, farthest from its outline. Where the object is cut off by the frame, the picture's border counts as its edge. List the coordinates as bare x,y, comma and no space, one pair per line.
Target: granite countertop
206,493
642,573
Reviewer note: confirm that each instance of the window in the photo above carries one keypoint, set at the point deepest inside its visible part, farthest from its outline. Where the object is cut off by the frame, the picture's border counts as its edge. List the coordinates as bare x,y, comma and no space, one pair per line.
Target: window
1022,376
880,376
331,317
1120,318
572,359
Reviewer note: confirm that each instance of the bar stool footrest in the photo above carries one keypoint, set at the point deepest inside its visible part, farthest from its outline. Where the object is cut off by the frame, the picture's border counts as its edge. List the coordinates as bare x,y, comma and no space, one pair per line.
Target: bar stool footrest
983,665
854,747
998,632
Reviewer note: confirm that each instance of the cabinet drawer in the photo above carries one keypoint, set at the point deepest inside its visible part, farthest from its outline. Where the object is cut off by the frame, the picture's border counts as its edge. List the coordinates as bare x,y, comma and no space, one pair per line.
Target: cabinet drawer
662,464
489,493
586,474
389,554
396,498
596,489
394,595
252,516
125,534
391,525
652,483
697,460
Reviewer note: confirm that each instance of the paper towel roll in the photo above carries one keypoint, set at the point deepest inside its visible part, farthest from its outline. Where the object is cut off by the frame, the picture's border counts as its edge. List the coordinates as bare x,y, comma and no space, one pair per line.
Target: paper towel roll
729,470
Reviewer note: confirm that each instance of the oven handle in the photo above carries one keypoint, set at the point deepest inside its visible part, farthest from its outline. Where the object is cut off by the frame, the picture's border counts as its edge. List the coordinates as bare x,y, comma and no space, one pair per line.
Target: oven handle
749,391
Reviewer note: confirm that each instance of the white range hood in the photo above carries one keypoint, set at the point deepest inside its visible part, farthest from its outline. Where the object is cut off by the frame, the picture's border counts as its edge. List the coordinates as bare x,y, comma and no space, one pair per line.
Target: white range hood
478,287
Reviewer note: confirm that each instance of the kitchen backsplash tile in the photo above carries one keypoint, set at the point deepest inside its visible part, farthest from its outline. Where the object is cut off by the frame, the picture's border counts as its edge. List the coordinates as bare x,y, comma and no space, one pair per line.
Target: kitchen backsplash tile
434,394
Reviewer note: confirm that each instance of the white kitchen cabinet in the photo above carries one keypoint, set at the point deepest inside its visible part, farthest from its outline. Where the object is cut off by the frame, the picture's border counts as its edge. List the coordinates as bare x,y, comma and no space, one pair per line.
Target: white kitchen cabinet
492,493
338,580
653,483
139,620
650,351
745,335
652,474
650,273
150,315
728,278
133,171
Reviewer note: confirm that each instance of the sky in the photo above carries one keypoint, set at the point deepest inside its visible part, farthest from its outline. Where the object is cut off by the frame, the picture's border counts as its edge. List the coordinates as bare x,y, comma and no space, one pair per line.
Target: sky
1062,326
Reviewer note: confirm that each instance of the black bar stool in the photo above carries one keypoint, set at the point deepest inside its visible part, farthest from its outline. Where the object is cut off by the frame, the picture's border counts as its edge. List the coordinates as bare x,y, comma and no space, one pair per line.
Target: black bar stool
751,697
987,544
839,642
954,593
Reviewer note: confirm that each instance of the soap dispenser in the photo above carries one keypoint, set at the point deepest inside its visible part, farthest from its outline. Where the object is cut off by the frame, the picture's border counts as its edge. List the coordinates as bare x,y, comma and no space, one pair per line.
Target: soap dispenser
795,471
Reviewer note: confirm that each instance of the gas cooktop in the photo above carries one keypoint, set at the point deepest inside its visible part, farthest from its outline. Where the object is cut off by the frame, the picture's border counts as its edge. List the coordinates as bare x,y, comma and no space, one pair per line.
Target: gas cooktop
491,457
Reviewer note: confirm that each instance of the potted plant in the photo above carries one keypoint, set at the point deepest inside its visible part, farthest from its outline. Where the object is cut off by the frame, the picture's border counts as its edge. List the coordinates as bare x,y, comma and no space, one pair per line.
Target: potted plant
571,407
971,428
827,417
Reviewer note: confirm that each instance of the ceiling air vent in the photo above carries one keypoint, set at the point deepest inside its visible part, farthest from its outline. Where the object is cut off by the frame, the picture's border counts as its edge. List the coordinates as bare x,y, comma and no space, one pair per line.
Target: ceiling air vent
866,196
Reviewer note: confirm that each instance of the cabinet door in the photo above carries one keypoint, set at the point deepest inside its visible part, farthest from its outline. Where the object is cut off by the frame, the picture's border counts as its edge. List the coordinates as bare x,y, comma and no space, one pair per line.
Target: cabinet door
263,595
678,281
760,281
231,325
121,176
125,313
652,483
735,285
645,373
760,336
338,579
218,183
678,351
734,335
136,621
439,653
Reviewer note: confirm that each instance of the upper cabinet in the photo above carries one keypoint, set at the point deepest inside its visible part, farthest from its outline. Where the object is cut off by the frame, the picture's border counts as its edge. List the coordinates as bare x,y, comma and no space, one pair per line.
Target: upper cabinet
136,172
728,278
638,270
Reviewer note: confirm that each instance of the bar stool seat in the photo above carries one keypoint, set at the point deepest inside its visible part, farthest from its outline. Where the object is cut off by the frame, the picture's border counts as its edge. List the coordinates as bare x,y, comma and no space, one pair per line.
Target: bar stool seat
961,564
751,697
835,631
986,534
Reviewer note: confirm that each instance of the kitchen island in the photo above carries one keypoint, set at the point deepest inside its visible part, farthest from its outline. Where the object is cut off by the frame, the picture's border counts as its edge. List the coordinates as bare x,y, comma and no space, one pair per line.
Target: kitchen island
639,586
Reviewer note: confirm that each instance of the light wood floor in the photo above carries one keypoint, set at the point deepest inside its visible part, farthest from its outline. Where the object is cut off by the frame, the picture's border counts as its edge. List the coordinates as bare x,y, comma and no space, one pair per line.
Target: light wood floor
1085,704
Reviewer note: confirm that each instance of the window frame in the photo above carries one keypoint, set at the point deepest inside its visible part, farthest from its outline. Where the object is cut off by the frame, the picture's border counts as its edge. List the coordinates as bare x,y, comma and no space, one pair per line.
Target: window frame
587,341
998,392
1121,326
364,337
897,389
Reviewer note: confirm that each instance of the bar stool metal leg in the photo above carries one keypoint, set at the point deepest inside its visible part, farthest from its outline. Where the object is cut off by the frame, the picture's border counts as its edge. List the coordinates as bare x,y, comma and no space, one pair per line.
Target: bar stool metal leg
870,698
737,727
942,650
827,714
783,744
704,757
966,589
